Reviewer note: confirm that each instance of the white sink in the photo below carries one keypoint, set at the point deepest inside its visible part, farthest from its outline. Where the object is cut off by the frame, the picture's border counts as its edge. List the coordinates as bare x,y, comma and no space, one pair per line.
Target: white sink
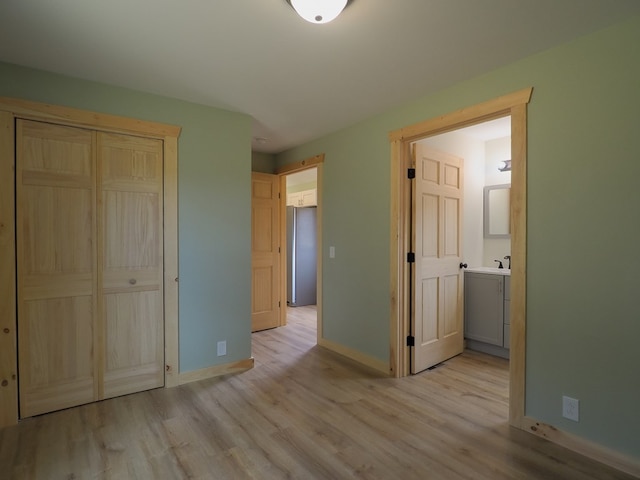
494,270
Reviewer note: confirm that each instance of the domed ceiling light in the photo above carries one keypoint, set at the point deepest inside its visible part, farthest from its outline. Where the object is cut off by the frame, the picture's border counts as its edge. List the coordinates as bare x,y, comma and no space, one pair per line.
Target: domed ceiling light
318,11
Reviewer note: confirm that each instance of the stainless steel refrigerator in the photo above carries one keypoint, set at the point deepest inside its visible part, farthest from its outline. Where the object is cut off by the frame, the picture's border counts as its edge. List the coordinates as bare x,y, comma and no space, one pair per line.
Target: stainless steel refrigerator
301,256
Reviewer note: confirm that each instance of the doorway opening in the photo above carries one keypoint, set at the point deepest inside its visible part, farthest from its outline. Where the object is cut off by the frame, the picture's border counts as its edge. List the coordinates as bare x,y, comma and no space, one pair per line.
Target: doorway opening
515,106
471,159
301,191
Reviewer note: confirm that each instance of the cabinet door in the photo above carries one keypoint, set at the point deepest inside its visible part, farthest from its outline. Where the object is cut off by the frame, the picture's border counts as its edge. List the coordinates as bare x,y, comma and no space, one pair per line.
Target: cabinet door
309,198
294,199
305,198
484,308
507,336
507,304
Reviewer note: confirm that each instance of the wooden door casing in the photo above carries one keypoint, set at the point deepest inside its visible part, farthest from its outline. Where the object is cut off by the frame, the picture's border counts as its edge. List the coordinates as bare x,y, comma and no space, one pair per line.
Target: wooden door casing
265,251
438,308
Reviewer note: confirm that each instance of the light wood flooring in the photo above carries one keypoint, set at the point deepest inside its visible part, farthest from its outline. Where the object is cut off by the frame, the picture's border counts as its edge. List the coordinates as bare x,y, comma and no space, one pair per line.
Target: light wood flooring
304,413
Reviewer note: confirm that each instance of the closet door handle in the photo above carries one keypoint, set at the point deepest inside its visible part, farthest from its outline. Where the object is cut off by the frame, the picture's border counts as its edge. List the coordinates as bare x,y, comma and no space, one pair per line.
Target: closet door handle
133,281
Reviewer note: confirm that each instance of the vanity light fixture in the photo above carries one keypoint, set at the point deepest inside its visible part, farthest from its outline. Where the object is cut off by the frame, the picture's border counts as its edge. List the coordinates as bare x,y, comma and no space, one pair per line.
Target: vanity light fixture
505,166
318,11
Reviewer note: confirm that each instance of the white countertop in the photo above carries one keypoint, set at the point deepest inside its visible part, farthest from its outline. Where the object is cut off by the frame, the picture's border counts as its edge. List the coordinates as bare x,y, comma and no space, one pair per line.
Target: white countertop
493,270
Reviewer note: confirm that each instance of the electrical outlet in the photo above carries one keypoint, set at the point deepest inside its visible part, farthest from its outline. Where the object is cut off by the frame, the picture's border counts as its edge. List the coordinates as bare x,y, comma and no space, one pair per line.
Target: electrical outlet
222,348
571,408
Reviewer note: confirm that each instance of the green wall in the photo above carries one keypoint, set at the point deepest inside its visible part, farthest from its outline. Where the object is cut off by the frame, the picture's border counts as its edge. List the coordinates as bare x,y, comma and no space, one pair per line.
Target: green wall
583,325
262,162
214,167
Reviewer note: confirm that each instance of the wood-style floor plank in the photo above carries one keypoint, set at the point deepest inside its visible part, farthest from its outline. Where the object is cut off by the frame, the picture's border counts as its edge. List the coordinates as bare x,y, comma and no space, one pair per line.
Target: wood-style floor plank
303,412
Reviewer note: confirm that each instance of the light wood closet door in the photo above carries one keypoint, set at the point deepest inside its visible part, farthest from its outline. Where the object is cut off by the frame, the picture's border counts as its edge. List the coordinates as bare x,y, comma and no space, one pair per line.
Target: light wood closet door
90,265
265,251
131,267
56,258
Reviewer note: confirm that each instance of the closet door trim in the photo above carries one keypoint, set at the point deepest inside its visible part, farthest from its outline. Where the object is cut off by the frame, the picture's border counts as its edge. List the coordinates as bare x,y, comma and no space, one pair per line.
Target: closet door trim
12,109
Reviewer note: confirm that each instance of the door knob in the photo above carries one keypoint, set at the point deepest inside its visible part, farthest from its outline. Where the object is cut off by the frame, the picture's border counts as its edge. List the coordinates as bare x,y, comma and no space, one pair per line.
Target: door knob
463,265
133,281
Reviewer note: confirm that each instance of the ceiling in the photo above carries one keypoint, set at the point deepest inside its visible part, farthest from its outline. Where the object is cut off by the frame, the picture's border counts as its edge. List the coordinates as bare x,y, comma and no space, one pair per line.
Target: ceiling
298,81
490,130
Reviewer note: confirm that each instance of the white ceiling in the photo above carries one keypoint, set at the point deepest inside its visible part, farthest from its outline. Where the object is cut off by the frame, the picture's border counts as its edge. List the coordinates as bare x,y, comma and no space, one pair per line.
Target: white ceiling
297,80
491,130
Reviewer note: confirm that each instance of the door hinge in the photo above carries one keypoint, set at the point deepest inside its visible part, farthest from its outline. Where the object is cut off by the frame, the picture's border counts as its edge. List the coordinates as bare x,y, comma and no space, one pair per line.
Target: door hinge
411,257
411,173
411,341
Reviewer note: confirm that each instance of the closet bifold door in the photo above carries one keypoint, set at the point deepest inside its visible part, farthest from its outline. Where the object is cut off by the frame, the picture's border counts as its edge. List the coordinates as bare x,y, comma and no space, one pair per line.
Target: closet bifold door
130,173
89,231
56,266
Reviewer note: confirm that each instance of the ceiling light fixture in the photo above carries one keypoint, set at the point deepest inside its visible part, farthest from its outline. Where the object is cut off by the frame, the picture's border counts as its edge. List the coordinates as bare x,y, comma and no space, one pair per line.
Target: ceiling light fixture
318,11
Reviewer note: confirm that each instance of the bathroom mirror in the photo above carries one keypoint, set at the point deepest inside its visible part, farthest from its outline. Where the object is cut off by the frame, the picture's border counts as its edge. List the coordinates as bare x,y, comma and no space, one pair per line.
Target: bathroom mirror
497,206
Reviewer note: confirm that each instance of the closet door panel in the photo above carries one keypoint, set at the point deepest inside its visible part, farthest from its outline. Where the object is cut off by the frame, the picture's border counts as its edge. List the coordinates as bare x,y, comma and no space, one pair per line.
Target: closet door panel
130,181
59,371
56,259
56,230
133,341
131,238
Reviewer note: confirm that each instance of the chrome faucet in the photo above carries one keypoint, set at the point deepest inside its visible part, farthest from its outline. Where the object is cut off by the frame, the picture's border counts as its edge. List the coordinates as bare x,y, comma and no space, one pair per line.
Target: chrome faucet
508,257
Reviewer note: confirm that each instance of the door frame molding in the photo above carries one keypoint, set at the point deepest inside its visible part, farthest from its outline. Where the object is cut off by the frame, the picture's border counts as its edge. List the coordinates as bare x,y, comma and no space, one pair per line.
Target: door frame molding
12,109
317,161
514,105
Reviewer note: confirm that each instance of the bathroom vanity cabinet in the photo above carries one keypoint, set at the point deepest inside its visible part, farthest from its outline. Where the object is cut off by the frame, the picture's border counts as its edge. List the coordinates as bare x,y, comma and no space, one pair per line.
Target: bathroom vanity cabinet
486,310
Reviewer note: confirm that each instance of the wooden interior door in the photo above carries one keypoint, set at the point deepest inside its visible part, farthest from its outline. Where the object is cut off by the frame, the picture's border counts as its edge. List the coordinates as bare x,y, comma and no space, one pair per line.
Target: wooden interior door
437,277
265,251
131,264
56,265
